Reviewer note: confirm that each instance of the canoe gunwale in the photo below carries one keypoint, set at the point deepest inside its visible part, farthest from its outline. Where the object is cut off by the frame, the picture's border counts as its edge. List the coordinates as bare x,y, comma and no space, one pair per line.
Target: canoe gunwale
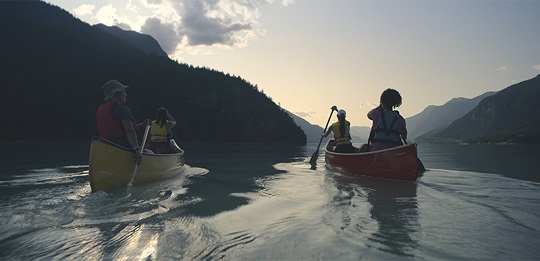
365,153
181,151
111,165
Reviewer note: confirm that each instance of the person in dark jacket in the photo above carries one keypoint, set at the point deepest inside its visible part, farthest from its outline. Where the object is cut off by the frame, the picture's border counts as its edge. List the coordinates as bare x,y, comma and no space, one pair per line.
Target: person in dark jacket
389,127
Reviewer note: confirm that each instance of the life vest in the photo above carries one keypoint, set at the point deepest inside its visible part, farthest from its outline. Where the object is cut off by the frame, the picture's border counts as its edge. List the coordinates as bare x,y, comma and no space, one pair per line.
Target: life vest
387,129
108,127
341,138
158,133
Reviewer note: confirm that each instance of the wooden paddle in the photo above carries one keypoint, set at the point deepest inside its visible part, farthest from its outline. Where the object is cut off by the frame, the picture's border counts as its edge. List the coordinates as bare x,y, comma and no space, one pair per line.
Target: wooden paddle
313,160
142,149
421,167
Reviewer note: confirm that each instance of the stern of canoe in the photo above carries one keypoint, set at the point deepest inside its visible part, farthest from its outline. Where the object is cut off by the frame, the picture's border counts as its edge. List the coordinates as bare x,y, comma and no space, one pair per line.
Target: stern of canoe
399,163
111,166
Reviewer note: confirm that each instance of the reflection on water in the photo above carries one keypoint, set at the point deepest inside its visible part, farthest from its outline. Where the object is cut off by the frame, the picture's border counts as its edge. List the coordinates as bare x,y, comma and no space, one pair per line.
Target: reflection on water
518,161
393,206
233,169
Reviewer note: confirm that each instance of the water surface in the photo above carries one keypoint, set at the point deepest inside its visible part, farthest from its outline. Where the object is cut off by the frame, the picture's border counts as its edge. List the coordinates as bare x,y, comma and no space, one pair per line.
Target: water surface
255,202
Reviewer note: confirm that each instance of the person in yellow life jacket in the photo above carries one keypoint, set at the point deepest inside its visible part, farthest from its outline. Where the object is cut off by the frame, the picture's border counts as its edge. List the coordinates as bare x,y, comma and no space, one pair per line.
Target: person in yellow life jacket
341,130
161,132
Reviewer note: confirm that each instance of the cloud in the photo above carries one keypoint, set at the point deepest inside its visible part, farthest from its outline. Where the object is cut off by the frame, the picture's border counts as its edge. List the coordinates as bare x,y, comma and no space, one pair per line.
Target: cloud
186,26
163,32
287,2
373,104
502,69
84,9
107,15
211,22
537,67
154,2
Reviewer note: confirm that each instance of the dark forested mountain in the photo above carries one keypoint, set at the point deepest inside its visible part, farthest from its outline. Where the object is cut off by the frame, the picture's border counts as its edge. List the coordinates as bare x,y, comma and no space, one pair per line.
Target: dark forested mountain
142,41
511,115
435,118
53,66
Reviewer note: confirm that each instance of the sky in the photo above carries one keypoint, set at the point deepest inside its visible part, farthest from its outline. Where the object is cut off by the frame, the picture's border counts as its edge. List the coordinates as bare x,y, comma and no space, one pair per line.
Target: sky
308,55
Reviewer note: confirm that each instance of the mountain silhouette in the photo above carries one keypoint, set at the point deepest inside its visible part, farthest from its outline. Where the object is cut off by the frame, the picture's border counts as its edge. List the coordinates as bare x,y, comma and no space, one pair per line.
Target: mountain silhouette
434,118
53,67
313,132
142,41
511,115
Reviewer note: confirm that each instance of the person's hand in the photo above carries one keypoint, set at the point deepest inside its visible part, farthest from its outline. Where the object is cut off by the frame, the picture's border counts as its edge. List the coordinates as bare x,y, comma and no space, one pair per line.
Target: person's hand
138,156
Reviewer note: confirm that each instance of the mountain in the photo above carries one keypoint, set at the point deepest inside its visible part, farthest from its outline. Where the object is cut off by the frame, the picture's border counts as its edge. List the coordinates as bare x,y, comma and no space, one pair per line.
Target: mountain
435,118
431,119
313,132
511,115
360,134
142,41
53,66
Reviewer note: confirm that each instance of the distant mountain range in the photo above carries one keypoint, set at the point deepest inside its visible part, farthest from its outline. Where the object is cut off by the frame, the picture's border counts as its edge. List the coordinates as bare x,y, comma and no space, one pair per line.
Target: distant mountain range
511,115
313,132
433,118
360,133
507,116
436,118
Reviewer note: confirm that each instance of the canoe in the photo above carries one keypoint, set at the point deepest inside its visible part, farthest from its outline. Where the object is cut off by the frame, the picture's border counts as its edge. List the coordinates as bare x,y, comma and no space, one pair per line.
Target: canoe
111,165
398,163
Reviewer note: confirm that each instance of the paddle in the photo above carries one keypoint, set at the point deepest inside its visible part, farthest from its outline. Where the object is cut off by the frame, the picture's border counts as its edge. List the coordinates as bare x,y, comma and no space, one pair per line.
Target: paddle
313,160
142,149
421,167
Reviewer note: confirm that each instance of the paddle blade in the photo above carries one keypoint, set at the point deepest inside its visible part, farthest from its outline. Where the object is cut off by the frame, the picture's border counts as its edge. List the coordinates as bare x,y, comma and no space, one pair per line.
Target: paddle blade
313,160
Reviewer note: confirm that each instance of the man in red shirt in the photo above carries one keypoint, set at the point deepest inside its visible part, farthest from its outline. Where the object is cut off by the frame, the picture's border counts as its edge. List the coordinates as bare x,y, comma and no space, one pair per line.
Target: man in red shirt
115,121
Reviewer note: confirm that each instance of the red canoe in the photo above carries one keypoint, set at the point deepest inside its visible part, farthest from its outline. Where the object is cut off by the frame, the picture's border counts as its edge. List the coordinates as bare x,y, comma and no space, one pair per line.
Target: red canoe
398,163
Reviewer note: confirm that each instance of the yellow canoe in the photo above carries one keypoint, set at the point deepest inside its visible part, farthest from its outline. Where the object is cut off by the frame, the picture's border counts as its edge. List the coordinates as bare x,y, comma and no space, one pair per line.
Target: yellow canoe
111,165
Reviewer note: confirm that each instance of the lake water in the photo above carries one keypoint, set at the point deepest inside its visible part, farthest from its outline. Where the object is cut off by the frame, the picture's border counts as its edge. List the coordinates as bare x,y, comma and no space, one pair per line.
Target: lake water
254,202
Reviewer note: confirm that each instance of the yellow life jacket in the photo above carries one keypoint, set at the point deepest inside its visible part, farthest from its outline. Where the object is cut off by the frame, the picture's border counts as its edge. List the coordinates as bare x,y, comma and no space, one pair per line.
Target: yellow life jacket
341,139
158,133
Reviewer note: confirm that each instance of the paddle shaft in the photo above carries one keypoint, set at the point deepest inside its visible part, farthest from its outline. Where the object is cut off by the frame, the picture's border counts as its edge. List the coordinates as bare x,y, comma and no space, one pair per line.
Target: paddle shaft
325,128
142,149
313,159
